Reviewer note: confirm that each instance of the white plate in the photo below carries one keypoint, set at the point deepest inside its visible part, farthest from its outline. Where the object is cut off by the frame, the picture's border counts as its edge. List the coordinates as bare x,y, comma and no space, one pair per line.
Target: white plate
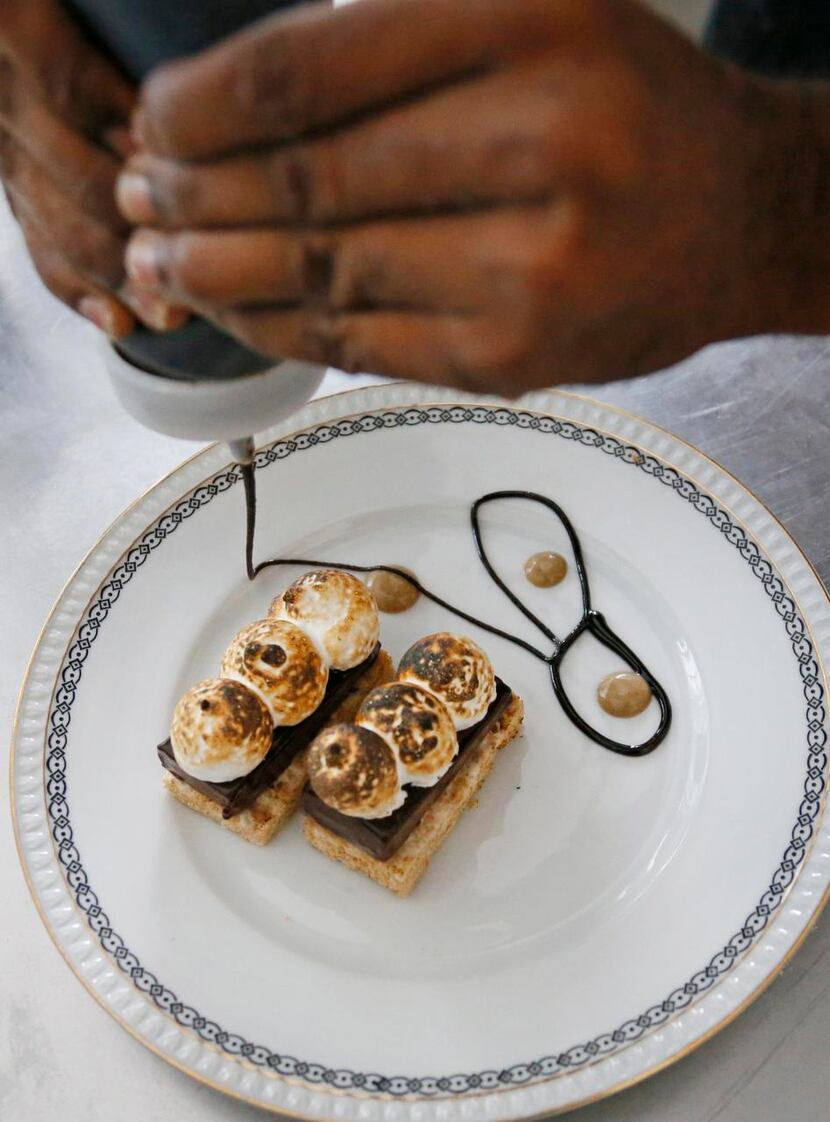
596,916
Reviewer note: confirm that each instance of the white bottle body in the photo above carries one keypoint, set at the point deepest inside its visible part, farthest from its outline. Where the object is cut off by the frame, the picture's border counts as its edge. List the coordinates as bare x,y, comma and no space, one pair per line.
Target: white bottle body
212,410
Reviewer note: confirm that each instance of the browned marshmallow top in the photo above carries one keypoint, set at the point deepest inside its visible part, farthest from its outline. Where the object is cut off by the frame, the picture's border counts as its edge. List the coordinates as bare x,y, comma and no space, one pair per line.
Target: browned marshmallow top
220,731
455,670
337,611
281,664
353,770
417,727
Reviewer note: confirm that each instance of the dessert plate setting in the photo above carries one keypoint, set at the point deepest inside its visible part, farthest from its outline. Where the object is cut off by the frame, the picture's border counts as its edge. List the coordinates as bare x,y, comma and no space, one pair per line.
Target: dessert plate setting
595,916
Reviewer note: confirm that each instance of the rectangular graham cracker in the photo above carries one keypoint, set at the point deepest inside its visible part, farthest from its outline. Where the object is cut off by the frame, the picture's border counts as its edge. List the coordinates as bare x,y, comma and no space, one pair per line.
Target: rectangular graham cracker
277,803
405,868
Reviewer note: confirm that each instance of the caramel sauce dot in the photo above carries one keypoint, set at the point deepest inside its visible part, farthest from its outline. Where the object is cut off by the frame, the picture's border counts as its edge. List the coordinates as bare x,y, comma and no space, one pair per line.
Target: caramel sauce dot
392,593
623,694
546,569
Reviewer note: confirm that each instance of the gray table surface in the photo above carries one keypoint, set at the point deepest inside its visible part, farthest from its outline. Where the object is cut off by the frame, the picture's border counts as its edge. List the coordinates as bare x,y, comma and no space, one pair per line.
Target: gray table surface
70,460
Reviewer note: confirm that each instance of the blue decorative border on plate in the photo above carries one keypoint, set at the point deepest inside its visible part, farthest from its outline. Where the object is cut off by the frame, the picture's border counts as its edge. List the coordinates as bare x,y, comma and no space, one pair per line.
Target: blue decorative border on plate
580,1054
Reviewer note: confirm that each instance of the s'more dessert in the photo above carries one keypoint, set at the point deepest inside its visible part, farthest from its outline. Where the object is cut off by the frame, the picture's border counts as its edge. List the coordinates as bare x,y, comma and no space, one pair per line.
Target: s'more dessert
237,745
387,788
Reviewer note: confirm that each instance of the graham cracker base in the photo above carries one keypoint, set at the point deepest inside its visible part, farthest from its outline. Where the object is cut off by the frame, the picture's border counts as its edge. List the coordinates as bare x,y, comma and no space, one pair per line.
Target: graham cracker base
277,803
404,869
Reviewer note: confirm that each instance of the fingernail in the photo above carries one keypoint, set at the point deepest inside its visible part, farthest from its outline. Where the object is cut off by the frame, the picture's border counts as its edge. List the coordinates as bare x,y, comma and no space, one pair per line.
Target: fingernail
157,313
134,197
143,259
98,311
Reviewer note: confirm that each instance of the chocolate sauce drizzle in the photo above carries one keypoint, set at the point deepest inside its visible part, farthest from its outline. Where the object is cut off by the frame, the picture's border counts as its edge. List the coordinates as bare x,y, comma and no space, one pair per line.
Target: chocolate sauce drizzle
591,621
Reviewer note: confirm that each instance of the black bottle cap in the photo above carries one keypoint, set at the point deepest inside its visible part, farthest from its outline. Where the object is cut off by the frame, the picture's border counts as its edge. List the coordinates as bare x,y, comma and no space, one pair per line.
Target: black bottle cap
196,352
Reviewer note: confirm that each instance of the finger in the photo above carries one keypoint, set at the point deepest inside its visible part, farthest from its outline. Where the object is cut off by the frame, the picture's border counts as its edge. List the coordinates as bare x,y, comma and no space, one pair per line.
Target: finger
260,266
51,53
437,152
466,263
306,70
93,250
78,292
83,171
447,350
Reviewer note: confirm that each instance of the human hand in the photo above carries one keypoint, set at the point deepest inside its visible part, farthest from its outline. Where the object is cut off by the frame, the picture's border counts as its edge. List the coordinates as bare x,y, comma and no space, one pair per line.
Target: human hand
494,195
64,112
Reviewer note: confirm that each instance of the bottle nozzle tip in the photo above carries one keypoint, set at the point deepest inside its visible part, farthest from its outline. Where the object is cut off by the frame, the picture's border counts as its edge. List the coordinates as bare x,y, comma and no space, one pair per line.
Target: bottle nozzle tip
242,449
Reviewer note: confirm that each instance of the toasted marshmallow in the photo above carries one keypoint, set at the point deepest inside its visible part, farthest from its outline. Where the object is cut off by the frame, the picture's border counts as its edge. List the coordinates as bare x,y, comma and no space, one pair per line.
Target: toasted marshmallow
281,664
352,770
337,610
456,670
417,727
220,731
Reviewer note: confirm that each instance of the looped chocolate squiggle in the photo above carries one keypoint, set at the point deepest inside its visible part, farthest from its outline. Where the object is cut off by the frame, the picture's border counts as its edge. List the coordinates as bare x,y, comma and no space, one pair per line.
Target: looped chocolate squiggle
591,621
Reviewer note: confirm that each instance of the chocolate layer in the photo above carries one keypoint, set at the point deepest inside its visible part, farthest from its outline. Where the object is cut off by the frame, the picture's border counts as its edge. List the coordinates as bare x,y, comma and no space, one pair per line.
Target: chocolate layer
287,742
383,837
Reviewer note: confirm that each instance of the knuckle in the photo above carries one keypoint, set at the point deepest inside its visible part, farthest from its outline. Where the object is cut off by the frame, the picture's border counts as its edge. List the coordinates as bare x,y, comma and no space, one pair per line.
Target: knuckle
310,179
320,265
290,184
342,274
275,80
321,340
526,153
530,263
361,277
366,273
176,195
332,340
325,193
